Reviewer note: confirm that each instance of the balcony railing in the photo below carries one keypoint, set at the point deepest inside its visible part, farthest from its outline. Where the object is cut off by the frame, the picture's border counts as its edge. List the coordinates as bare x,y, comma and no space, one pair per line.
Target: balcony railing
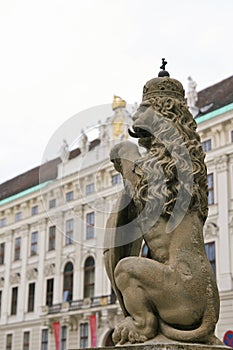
83,303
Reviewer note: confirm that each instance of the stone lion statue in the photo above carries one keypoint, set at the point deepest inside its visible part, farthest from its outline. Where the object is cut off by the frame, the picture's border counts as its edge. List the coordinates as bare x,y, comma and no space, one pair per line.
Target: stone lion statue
172,292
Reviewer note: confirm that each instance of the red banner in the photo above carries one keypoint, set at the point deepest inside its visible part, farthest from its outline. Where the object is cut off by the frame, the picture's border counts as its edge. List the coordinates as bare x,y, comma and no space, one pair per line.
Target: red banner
57,334
92,320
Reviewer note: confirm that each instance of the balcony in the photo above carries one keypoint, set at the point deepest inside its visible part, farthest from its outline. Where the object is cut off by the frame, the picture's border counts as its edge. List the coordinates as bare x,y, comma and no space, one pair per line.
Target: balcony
82,304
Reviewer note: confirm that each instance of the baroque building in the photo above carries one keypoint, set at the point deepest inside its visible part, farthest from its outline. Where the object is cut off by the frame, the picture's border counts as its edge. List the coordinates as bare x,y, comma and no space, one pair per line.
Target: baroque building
53,285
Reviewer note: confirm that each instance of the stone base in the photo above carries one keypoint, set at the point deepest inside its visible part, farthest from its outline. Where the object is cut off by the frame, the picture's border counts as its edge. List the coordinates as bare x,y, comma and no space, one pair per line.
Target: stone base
173,346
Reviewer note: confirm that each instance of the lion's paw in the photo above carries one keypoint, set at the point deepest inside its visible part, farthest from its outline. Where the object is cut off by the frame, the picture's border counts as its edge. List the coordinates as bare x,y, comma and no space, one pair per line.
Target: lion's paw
127,331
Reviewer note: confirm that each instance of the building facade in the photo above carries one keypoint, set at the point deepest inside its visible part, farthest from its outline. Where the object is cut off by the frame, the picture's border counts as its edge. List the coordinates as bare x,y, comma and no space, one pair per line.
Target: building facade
53,284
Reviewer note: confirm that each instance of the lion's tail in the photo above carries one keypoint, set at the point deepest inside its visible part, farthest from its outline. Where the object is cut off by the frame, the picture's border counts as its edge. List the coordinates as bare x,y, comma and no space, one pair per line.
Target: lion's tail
203,334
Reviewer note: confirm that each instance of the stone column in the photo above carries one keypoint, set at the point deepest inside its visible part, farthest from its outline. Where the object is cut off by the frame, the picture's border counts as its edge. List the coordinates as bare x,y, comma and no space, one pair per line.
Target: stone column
224,279
6,294
22,292
40,286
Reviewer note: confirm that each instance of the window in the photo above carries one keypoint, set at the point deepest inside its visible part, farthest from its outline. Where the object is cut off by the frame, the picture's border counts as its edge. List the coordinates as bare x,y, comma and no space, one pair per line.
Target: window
17,248
2,222
52,237
14,297
69,196
44,339
68,282
231,135
34,243
210,252
2,253
210,180
90,220
63,337
18,216
49,292
35,210
26,340
90,188
116,179
69,231
9,338
31,297
206,145
89,277
84,335
52,203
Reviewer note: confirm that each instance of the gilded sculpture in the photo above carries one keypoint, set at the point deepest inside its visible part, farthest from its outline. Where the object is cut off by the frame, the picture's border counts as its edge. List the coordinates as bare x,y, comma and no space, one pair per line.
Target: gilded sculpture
172,291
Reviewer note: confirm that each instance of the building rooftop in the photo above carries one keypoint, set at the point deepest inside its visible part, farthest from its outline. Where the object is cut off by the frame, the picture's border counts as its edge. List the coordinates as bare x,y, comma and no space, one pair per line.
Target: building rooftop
215,96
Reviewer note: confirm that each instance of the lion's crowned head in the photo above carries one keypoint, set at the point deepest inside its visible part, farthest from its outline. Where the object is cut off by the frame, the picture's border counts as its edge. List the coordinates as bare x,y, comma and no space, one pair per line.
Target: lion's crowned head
173,171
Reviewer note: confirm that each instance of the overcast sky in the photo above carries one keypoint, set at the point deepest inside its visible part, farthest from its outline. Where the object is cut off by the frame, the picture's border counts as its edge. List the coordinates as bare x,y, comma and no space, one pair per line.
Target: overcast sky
61,57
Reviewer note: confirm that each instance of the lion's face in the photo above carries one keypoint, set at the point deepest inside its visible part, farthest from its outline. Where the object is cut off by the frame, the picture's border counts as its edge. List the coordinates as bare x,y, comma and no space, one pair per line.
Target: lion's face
143,126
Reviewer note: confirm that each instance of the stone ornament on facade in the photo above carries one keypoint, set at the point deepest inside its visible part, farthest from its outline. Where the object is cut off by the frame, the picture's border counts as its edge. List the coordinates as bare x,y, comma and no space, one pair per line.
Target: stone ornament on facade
221,163
49,270
15,278
2,282
32,274
172,292
211,230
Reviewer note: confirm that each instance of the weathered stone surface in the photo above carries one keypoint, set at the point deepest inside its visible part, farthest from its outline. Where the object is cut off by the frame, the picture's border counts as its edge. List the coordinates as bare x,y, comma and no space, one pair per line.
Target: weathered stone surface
165,347
172,292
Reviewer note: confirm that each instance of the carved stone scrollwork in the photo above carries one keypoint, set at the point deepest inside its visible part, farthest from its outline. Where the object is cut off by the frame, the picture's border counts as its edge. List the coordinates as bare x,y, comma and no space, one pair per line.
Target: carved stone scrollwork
2,281
211,230
32,274
71,322
15,278
49,270
221,163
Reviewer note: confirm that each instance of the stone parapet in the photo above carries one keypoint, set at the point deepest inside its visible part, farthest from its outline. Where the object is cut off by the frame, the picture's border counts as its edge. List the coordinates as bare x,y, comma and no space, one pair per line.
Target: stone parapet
178,346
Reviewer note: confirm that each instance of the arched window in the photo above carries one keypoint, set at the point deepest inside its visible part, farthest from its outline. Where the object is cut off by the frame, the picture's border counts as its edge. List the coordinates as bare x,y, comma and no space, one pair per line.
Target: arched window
89,277
68,282
109,341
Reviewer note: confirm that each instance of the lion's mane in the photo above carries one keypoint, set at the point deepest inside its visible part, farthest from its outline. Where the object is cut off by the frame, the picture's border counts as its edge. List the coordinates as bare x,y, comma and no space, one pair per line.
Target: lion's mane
165,171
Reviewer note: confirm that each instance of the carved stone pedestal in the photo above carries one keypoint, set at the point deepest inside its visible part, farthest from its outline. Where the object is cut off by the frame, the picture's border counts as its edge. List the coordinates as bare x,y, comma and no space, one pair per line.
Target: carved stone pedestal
177,346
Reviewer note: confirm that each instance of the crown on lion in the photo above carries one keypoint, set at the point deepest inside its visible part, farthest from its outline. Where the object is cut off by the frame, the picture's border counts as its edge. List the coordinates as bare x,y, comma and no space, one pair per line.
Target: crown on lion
163,86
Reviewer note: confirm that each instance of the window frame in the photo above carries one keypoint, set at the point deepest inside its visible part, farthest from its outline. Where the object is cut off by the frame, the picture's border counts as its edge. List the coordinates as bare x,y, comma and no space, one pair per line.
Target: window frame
2,222
26,342
64,337
52,238
90,224
49,291
31,297
9,346
45,339
14,301
17,248
69,196
18,216
90,188
52,203
89,278
2,253
84,334
68,282
34,243
116,179
35,210
208,247
206,145
210,181
69,236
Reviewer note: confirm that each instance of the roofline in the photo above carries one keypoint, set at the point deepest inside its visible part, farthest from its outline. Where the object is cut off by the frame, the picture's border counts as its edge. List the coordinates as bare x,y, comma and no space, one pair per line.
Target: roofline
214,113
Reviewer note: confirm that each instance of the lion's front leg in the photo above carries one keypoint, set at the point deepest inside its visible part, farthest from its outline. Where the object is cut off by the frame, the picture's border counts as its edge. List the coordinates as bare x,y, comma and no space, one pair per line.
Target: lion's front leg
123,156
